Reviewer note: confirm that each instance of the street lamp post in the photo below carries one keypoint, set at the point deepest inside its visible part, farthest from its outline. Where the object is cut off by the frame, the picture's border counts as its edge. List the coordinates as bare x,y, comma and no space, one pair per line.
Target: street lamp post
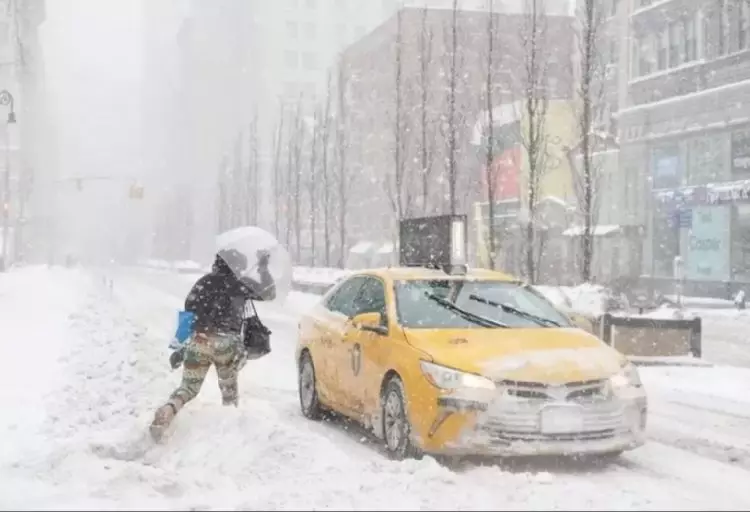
6,99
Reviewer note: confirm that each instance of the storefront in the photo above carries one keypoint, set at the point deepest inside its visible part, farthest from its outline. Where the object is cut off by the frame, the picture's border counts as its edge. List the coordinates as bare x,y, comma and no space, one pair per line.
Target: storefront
701,207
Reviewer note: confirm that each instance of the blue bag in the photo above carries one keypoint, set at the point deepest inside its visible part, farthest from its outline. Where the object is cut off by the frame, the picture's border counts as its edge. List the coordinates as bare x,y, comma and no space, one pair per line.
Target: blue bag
185,320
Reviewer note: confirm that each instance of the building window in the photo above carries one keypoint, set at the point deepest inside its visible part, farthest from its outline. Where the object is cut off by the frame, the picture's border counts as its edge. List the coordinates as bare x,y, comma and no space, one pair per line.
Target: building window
743,25
4,33
691,39
705,162
740,154
291,89
741,242
613,51
291,58
291,30
311,31
662,42
677,44
309,61
676,48
724,32
646,60
665,167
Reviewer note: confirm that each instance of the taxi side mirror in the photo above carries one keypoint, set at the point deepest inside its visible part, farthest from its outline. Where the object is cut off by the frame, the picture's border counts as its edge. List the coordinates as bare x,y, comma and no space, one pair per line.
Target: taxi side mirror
371,322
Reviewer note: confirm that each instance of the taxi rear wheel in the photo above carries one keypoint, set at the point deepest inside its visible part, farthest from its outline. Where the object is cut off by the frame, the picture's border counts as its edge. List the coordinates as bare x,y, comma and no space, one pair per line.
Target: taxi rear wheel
396,427
308,388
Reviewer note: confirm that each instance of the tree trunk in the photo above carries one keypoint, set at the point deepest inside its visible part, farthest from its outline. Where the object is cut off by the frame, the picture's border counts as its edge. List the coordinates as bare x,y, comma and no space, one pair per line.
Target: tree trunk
312,188
490,138
277,194
452,143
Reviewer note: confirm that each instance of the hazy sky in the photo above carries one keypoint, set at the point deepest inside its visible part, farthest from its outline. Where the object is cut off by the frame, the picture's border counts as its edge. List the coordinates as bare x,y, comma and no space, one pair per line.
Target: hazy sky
93,63
93,80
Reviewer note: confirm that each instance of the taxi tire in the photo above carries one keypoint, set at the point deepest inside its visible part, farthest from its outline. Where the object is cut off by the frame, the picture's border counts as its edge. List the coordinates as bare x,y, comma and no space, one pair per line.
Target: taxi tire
315,411
406,449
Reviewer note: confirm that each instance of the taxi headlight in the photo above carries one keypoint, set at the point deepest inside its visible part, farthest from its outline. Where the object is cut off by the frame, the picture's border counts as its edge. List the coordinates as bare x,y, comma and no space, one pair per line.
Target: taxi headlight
627,378
448,378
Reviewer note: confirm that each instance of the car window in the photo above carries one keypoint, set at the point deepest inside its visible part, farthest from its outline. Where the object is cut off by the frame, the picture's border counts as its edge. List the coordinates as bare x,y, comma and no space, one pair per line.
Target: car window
416,310
371,298
342,300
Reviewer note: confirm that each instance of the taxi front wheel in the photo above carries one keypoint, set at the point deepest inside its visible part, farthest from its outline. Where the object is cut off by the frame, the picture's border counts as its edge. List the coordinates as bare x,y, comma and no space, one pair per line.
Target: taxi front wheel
308,388
396,427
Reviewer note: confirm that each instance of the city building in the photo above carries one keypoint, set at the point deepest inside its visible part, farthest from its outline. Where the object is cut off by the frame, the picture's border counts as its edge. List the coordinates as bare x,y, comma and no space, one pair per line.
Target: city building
425,37
685,136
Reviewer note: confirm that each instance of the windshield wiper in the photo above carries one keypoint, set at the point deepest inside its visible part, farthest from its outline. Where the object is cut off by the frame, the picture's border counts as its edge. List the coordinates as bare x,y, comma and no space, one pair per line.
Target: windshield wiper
471,317
540,320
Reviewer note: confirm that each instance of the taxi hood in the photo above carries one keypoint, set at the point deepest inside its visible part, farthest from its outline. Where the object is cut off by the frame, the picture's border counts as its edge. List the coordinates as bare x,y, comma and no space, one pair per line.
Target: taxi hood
545,355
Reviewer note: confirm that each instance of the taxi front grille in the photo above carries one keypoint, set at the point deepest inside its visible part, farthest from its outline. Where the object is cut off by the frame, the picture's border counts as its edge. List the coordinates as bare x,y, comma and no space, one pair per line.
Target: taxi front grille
589,390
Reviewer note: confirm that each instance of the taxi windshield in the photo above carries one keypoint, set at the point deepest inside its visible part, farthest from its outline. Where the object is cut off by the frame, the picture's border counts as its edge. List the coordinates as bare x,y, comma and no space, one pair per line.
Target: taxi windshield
458,303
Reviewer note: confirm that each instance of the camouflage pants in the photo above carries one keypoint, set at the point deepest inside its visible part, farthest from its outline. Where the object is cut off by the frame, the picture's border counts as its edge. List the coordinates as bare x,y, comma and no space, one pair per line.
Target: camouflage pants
201,352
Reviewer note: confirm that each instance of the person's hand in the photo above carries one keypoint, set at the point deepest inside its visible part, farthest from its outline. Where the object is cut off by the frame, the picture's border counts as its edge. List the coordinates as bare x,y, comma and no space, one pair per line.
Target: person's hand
176,358
240,359
263,257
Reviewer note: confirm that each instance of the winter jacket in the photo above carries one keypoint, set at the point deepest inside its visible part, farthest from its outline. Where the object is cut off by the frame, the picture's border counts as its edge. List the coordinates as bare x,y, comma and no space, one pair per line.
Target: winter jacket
218,298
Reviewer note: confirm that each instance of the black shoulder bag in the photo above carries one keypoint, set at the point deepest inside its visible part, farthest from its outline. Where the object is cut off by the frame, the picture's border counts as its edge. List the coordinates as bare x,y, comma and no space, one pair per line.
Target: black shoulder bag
256,337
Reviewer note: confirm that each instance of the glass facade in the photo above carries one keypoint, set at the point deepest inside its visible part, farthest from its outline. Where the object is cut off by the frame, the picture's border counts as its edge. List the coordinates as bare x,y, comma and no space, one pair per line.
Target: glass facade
701,206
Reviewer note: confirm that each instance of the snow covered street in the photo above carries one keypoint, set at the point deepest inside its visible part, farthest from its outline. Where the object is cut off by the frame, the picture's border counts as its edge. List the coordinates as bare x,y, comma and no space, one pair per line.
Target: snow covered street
86,366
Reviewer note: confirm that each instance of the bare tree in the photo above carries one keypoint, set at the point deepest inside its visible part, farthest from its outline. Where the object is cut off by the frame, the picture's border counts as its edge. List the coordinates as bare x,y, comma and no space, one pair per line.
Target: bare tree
535,107
236,181
312,185
292,175
590,93
253,180
223,195
452,128
277,178
490,138
297,181
342,141
396,184
427,140
325,175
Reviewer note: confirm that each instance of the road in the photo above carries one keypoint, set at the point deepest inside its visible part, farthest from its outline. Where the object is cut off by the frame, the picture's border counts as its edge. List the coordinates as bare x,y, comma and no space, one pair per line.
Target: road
266,455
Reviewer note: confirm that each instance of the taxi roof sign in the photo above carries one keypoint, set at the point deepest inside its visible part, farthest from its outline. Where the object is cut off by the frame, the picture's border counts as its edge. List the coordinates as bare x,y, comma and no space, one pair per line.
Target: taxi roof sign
434,242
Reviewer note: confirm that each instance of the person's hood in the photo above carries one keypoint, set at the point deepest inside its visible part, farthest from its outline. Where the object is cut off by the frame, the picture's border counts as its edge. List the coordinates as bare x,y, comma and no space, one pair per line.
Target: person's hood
221,267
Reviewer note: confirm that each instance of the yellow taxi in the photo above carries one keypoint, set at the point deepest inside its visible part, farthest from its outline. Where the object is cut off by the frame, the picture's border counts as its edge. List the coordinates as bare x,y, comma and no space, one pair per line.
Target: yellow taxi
465,364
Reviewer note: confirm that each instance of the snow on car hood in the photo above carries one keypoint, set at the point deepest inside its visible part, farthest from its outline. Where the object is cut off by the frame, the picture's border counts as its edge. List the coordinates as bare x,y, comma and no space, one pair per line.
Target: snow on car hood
533,355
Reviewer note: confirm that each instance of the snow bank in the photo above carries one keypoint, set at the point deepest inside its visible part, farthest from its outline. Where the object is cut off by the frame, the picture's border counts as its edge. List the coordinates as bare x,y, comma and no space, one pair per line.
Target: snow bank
586,299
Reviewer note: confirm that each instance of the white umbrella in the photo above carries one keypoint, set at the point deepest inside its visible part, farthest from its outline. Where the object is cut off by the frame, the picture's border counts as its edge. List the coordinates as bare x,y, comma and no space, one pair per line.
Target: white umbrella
248,241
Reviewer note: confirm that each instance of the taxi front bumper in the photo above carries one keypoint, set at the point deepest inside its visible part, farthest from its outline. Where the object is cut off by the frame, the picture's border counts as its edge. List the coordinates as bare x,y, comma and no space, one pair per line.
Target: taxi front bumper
529,428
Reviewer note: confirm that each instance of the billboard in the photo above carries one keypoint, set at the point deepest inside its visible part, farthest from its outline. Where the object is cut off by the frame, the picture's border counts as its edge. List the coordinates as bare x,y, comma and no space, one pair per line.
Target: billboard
505,174
435,242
